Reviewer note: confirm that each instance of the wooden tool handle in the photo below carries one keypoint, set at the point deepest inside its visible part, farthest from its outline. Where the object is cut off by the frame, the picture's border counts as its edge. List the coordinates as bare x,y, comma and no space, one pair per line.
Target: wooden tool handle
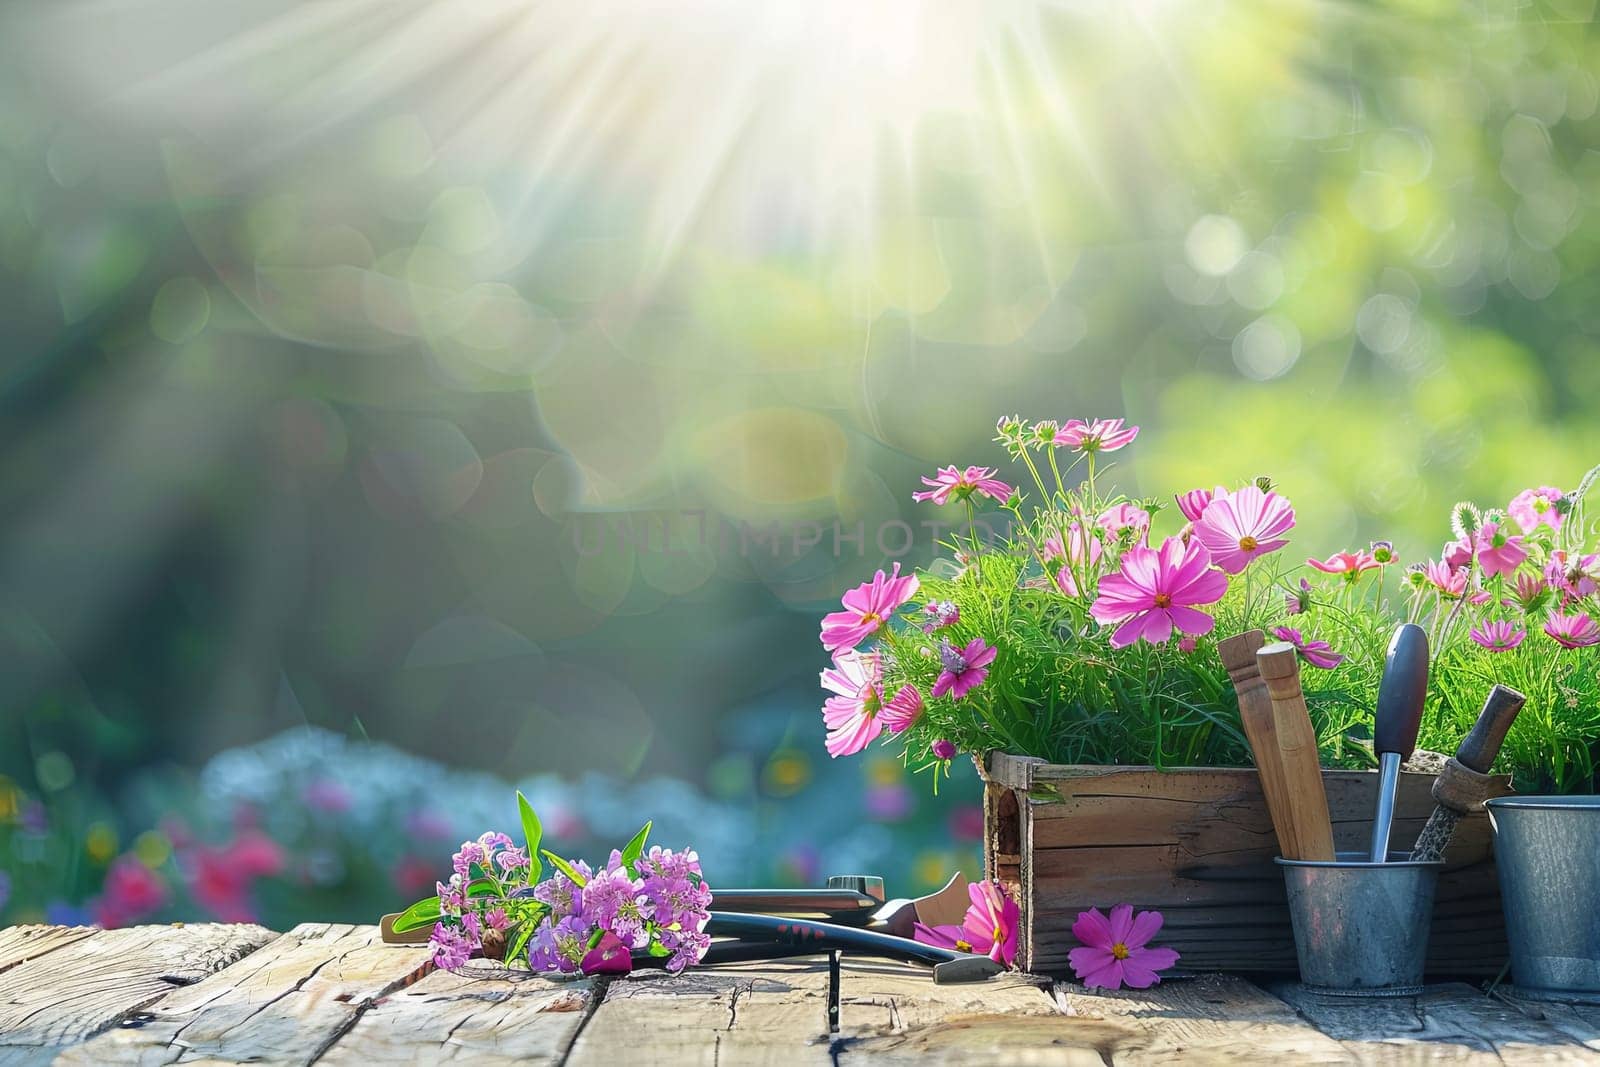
1238,655
1480,747
1297,751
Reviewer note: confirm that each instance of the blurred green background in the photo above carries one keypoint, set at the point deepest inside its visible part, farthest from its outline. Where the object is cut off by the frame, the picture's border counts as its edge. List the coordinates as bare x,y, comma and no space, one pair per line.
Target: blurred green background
404,400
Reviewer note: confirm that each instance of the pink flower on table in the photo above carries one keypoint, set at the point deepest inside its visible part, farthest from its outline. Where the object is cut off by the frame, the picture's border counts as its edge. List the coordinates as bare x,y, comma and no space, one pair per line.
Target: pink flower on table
1101,435
902,710
964,669
1498,551
867,607
1316,653
1298,601
1572,631
1243,525
1574,576
937,614
943,749
1156,590
989,927
1116,952
1119,517
1193,503
948,483
851,714
1349,564
1533,508
1498,636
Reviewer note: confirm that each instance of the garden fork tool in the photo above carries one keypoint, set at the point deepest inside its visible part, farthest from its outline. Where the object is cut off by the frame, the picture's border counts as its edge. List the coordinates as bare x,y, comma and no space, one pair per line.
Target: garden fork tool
1465,783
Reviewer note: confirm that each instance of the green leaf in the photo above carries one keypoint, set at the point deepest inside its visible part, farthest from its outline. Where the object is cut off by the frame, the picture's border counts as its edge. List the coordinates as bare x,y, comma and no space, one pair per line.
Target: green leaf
635,849
564,867
533,832
519,944
424,912
482,887
658,950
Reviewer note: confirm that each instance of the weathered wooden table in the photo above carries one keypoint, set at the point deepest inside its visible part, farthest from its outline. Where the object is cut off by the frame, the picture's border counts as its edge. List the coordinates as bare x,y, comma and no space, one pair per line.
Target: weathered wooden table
335,994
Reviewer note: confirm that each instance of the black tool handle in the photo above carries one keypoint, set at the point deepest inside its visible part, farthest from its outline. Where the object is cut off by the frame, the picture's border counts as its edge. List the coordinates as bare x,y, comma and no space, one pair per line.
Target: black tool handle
1402,692
1480,747
836,905
823,937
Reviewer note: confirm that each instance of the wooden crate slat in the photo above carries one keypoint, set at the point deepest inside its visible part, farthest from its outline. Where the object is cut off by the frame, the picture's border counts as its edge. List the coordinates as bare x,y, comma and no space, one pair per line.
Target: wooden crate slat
91,983
502,1017
1197,844
286,1003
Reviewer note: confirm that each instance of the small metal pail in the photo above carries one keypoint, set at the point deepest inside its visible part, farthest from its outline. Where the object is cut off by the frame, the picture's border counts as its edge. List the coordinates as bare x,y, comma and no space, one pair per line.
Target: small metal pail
1547,850
1361,928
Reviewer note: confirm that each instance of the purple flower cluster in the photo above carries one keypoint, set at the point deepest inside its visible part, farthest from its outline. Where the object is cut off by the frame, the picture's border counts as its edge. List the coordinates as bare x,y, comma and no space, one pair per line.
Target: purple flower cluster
578,919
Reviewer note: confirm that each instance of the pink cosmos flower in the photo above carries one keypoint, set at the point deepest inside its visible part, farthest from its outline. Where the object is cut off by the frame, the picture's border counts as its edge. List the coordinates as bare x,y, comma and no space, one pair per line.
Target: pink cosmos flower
1101,435
949,482
1316,653
132,892
938,614
1243,525
1458,553
1193,503
1498,551
1155,591
851,714
1120,517
1079,548
1349,564
964,669
1499,636
1298,601
1573,576
1383,553
1451,582
1572,631
900,711
1530,592
1115,951
867,607
1534,507
943,749
1187,644
989,928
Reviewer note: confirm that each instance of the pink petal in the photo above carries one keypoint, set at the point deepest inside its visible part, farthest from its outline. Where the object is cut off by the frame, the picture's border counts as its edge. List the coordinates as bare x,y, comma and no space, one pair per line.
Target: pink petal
1121,922
942,936
1145,926
1087,960
1191,621
1132,630
1157,959
1137,975
1107,977
943,684
1093,929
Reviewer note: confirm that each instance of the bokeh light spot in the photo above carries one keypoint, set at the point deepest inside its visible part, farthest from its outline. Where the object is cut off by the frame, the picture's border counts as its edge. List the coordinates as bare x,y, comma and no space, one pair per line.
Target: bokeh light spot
180,310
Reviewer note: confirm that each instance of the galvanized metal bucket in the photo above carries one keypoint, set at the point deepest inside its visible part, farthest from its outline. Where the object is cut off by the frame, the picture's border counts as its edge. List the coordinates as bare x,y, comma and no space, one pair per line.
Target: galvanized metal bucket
1547,850
1361,928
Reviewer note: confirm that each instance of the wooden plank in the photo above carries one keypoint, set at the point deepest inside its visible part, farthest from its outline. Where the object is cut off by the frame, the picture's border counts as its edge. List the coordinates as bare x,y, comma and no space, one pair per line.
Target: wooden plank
18,944
771,1013
1581,1022
287,1003
91,983
1451,1023
487,1016
1197,844
896,1014
1212,1019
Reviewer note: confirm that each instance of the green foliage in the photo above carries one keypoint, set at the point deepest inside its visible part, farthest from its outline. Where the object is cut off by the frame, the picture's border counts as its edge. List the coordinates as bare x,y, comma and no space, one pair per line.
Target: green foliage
533,833
424,912
635,847
1058,690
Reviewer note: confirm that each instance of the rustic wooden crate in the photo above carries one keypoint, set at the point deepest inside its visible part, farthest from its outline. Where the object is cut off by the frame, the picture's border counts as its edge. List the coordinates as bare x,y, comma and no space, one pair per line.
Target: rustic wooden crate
1197,844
